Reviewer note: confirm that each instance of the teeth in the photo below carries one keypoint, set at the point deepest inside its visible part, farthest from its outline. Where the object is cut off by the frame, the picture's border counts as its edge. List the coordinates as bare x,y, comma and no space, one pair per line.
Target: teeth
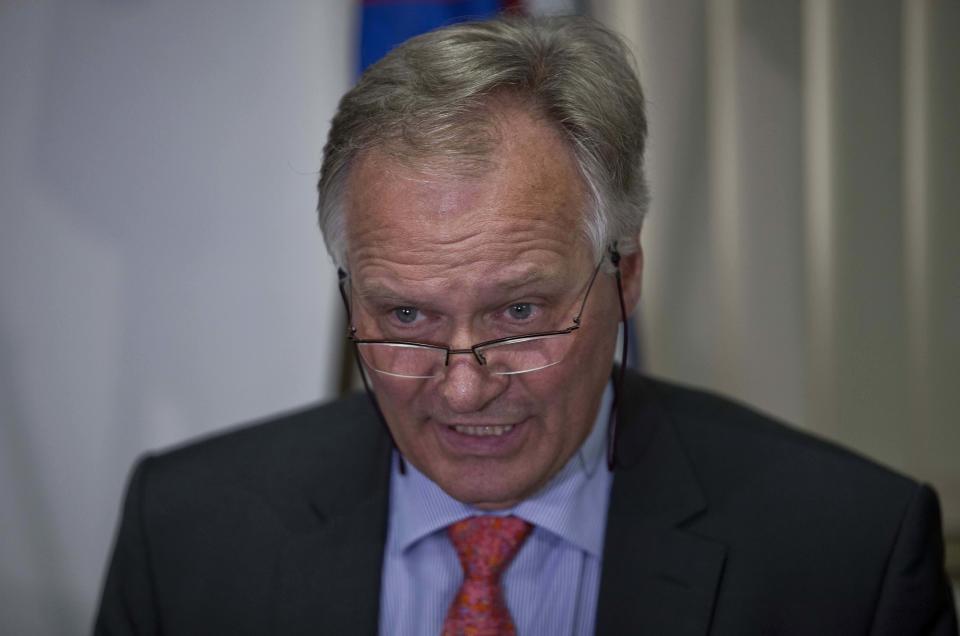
483,431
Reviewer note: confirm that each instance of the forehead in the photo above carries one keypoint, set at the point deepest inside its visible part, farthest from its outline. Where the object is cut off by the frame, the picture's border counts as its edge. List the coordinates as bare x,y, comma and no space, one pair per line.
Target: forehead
518,219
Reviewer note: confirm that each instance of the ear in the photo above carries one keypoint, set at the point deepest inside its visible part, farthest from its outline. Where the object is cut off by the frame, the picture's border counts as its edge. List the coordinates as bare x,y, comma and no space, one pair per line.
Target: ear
631,278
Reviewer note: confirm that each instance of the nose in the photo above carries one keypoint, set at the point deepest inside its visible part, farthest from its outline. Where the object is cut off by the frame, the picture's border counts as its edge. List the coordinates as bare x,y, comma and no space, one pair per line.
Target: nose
468,387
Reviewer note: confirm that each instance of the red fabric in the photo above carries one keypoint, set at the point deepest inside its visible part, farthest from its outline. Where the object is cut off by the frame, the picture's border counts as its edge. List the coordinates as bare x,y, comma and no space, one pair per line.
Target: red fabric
485,545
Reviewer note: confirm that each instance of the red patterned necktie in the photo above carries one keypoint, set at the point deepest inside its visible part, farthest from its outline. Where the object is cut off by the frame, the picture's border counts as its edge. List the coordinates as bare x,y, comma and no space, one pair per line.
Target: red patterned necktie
485,545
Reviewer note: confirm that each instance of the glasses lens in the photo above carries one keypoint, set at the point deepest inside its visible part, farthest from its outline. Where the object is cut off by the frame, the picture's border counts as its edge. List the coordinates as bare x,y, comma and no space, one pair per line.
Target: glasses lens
402,360
524,355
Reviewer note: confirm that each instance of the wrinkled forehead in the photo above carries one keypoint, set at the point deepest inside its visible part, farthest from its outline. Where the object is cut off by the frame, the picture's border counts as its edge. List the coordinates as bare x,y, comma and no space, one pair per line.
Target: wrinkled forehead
524,211
446,238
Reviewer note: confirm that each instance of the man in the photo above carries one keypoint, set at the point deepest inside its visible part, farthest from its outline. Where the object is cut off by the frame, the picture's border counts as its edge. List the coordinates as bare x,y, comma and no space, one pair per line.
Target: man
482,193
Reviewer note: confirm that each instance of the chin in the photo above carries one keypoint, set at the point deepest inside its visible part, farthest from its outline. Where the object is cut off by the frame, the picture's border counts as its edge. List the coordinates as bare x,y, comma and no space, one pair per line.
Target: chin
490,502
476,492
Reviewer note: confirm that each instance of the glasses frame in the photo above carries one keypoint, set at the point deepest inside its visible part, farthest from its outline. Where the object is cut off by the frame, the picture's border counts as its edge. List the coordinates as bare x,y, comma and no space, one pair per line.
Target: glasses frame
475,349
614,255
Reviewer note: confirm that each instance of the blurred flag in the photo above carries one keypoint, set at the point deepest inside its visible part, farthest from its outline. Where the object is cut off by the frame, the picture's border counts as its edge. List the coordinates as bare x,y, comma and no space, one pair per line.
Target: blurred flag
386,23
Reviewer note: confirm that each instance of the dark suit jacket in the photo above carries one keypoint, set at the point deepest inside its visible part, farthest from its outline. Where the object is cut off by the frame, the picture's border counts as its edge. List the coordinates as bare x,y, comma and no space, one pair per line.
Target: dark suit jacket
720,521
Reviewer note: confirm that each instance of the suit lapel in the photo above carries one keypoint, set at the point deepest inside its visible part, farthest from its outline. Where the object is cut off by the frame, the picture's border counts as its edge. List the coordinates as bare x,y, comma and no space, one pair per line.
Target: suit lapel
329,577
657,577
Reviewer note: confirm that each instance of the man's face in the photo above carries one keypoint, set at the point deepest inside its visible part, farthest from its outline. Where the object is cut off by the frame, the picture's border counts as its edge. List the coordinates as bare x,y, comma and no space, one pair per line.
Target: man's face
453,260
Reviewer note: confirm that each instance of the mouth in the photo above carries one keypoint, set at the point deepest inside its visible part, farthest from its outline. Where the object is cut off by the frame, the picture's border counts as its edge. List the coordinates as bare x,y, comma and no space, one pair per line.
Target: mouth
485,430
482,439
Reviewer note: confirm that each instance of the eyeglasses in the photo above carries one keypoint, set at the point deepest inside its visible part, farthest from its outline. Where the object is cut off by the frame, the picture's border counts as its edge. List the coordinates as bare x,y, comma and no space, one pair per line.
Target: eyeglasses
481,352
502,356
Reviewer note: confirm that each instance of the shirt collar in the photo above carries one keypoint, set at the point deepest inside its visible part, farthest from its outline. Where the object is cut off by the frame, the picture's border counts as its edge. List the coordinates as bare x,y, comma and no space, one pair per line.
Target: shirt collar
573,505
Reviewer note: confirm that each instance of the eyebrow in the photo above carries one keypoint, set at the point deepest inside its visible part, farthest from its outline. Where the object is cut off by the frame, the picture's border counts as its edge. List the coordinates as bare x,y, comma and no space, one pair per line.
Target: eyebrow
382,292
532,275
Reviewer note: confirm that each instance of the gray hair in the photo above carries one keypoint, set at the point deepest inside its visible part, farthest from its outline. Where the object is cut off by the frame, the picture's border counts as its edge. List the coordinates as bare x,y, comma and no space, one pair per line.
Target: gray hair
433,99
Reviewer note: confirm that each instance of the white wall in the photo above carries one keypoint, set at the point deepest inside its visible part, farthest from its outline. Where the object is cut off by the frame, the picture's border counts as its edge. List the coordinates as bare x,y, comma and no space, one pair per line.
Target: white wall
161,275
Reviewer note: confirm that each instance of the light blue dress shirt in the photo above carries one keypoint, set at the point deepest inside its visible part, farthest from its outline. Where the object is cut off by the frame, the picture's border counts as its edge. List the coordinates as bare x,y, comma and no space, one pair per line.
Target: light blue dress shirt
552,585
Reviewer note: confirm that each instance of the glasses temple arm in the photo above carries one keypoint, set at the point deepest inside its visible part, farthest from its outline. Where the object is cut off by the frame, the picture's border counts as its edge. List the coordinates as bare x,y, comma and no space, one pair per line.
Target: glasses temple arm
341,286
583,303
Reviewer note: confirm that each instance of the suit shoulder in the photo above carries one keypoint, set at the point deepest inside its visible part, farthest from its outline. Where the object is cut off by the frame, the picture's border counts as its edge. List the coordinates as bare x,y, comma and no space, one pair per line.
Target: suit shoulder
272,454
728,440
796,513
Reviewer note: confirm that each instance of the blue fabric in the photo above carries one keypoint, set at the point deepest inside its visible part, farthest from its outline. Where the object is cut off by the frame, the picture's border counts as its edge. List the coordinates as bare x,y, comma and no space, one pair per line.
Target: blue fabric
385,24
552,585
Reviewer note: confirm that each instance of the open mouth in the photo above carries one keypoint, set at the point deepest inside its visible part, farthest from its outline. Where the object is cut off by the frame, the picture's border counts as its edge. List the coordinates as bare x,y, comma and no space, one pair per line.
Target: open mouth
482,431
482,440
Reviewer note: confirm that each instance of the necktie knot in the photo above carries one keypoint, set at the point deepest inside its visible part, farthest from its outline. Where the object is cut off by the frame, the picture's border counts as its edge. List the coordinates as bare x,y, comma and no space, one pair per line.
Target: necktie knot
487,544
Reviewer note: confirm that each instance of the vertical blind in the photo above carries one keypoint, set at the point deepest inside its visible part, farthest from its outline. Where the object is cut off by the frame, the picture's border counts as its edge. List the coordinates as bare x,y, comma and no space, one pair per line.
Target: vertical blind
802,246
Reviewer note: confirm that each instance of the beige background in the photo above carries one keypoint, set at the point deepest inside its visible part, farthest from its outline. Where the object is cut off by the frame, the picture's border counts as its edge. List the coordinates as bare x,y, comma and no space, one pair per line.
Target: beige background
803,239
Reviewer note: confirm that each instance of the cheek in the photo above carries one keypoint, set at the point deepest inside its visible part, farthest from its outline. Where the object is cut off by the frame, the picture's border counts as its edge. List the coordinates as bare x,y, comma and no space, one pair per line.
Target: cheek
557,392
585,372
397,398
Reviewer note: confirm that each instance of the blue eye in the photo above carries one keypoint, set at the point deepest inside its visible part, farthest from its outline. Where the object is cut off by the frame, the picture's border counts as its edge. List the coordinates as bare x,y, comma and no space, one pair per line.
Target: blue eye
520,311
406,315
